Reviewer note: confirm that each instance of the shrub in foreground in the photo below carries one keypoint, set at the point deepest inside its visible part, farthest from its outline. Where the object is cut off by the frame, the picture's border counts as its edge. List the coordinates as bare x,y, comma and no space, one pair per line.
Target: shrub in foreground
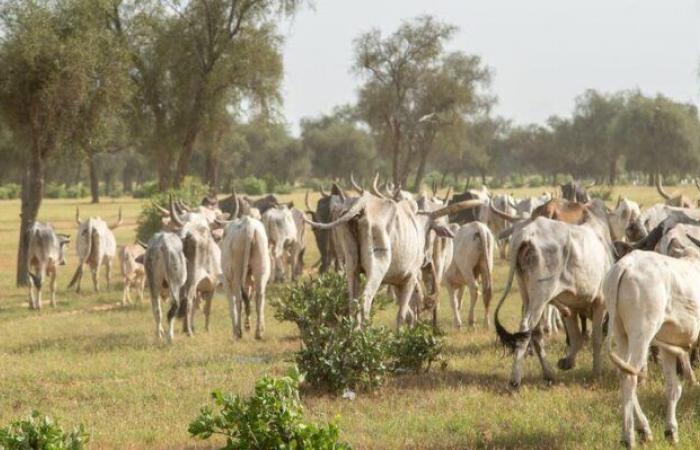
416,349
39,432
271,418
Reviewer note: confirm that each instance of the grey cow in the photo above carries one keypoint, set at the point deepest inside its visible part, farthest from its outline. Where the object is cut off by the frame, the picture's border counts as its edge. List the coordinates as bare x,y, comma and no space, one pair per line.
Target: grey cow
45,251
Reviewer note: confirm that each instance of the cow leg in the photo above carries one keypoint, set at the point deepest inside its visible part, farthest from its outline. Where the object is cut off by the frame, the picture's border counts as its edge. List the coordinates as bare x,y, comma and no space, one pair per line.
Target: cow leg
521,348
34,294
95,282
635,353
142,287
487,294
597,336
473,298
80,277
232,294
404,292
189,316
245,296
453,294
259,308
108,272
371,287
172,314
575,342
208,297
52,273
157,315
538,344
673,394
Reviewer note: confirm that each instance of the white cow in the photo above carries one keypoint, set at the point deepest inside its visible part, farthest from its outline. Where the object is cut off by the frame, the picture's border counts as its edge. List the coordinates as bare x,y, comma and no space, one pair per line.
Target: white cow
626,212
282,235
675,242
472,262
96,246
246,266
652,299
133,272
45,252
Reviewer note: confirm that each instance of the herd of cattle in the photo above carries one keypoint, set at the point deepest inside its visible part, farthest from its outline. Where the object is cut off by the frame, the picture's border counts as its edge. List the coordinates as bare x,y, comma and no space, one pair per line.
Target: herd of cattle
632,274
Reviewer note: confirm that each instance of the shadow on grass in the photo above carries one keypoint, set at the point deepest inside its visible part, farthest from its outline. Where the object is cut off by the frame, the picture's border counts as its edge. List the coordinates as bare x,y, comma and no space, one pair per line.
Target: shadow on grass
103,343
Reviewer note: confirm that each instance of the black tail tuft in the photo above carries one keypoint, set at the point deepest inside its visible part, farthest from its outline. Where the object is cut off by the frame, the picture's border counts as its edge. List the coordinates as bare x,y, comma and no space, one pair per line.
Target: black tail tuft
78,273
511,340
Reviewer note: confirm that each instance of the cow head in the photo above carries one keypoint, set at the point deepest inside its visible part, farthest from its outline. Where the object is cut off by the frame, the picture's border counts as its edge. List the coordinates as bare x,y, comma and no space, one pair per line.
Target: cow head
623,218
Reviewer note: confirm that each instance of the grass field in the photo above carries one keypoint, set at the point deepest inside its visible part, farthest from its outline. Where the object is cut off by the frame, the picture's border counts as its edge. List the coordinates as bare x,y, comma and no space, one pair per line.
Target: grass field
90,360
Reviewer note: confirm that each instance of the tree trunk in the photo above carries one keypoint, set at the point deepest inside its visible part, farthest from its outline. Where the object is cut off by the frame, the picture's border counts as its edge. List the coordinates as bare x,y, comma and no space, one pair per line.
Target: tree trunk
396,153
420,172
195,117
109,180
94,182
128,179
212,175
32,194
612,175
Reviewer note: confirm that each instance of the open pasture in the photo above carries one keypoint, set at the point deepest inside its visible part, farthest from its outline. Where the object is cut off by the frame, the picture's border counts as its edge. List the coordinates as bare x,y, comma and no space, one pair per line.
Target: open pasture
93,361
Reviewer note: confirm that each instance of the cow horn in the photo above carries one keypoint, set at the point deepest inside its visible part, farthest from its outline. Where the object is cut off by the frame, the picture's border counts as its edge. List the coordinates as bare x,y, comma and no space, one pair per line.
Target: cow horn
142,244
324,193
447,196
697,183
660,188
354,184
619,199
174,216
339,190
453,208
374,189
77,215
348,216
309,209
222,223
236,205
120,220
503,215
592,184
163,212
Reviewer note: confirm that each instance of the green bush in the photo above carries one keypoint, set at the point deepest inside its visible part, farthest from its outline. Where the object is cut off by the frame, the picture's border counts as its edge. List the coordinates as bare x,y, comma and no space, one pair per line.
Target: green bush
10,191
55,190
271,418
149,221
415,349
517,181
602,193
252,186
535,181
146,190
39,432
77,191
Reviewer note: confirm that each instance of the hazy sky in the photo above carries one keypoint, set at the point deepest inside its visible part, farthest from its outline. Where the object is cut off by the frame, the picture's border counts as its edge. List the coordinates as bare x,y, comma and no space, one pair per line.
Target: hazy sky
543,53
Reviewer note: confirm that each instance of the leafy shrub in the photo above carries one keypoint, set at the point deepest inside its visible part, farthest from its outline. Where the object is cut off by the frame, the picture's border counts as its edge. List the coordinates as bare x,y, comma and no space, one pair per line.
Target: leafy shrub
55,190
77,191
535,181
671,180
10,191
253,186
146,190
517,181
560,179
271,418
39,432
415,349
149,221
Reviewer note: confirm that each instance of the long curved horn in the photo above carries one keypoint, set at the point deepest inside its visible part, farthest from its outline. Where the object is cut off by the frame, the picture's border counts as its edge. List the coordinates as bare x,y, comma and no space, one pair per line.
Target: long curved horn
697,184
163,211
324,193
306,202
339,190
77,215
142,244
592,184
453,208
348,216
374,189
619,200
174,216
356,186
120,220
660,188
236,205
447,196
503,215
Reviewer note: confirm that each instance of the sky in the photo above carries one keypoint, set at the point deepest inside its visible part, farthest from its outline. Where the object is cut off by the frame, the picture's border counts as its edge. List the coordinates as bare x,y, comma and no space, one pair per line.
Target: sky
543,53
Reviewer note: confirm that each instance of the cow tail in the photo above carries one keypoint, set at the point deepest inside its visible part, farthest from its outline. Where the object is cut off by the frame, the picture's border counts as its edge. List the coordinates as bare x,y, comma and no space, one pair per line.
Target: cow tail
487,246
245,267
509,340
612,291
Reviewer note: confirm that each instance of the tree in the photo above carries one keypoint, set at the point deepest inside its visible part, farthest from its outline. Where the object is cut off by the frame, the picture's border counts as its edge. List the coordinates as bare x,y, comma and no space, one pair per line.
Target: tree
46,81
393,69
337,145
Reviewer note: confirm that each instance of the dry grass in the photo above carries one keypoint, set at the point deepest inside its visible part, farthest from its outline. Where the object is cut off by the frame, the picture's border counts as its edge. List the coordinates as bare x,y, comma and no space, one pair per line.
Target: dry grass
92,361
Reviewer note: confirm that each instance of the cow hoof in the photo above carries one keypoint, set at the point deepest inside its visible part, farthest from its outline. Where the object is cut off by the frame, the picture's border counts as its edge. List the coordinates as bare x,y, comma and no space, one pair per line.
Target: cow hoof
258,336
549,380
515,385
645,435
565,364
671,436
627,444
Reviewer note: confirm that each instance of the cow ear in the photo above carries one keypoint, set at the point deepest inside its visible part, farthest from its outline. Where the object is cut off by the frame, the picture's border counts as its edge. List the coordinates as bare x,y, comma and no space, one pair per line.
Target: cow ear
442,231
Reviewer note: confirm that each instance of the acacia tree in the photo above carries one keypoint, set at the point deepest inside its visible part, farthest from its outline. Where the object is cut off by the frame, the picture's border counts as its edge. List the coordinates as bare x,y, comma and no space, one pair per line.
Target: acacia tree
46,80
392,68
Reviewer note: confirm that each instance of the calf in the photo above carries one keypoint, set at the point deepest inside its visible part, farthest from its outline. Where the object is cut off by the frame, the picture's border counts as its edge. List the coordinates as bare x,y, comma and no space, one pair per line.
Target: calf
246,266
472,261
96,246
133,272
283,235
45,251
652,299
